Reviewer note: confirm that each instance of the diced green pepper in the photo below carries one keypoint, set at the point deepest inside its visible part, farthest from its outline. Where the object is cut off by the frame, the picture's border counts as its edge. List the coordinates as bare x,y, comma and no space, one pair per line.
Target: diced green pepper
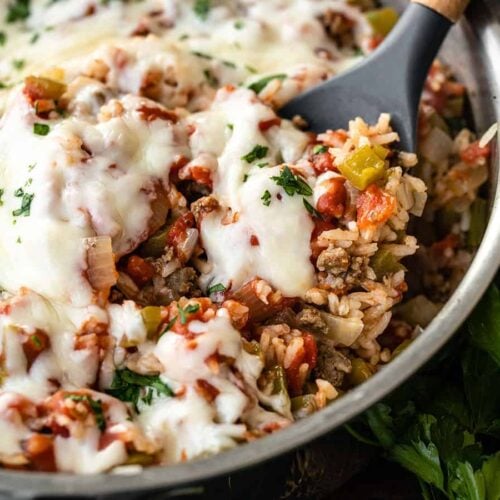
401,347
278,377
382,20
151,315
478,218
303,405
139,458
384,262
155,246
360,372
364,166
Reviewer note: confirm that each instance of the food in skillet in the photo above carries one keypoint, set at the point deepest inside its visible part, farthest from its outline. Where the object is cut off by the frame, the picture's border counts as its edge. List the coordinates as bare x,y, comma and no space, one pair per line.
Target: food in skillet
184,271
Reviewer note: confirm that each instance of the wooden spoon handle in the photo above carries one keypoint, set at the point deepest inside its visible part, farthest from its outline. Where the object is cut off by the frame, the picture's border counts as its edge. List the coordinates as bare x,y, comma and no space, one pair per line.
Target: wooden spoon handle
451,9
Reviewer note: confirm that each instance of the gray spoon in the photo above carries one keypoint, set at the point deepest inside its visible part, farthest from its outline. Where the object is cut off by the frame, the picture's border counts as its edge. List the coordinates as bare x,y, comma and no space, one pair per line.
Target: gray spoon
389,81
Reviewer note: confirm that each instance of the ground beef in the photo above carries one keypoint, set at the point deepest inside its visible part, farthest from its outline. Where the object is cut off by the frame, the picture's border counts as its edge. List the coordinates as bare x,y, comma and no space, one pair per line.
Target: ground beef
339,27
310,319
334,260
192,190
332,365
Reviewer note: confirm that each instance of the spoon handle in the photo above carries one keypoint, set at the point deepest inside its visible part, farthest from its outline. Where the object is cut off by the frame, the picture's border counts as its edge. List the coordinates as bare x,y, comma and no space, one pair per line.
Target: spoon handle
451,9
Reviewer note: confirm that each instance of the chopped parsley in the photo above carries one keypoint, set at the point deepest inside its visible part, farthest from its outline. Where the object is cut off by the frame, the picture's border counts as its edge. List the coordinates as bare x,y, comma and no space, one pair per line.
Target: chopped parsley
3,38
292,184
230,126
250,69
245,177
239,24
2,191
95,406
219,287
266,198
311,209
189,309
17,10
19,192
18,239
257,153
229,64
261,84
34,38
262,164
41,128
25,208
202,8
18,64
319,148
208,57
132,387
169,326
211,78
36,341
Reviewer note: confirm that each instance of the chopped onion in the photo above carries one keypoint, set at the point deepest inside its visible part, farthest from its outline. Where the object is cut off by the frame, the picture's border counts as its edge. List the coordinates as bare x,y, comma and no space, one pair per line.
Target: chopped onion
343,331
159,209
418,311
437,146
489,135
186,248
101,271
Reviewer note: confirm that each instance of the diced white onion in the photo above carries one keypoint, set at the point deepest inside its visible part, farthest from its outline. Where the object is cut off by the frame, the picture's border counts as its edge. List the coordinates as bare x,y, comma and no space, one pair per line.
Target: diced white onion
343,331
101,271
437,146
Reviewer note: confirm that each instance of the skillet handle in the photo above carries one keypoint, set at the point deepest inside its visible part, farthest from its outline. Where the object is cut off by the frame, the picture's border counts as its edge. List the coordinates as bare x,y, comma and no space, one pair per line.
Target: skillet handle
451,9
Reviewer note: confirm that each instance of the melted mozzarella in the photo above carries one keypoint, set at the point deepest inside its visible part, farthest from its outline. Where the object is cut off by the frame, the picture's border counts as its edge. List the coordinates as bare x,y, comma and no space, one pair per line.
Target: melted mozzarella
72,368
76,195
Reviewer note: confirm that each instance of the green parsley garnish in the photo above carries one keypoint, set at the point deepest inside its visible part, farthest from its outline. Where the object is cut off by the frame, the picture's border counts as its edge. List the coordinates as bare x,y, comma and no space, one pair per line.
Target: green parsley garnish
2,191
19,192
230,126
219,287
34,38
18,64
229,64
266,198
189,309
18,239
245,177
319,148
251,69
292,184
133,387
257,153
202,8
41,128
3,38
95,406
239,24
169,326
311,209
17,10
36,340
25,205
262,164
202,55
211,78
261,84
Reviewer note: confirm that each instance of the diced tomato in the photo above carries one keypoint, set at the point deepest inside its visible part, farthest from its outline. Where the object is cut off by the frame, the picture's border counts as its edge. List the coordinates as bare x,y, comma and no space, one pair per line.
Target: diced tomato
34,344
474,152
206,390
202,175
323,162
374,41
39,449
178,232
254,240
152,113
265,125
140,270
311,348
374,206
332,202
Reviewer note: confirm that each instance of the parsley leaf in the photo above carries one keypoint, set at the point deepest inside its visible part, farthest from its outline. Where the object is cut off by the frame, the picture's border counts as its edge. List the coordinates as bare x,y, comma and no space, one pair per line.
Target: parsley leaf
258,152
132,387
219,287
261,84
292,184
95,406
319,148
266,198
189,309
3,38
18,10
41,129
312,210
202,8
25,208
483,325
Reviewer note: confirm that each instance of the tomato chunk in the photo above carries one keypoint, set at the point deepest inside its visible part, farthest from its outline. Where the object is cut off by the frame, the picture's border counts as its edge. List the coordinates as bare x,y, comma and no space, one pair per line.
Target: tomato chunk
474,152
375,207
139,270
332,202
